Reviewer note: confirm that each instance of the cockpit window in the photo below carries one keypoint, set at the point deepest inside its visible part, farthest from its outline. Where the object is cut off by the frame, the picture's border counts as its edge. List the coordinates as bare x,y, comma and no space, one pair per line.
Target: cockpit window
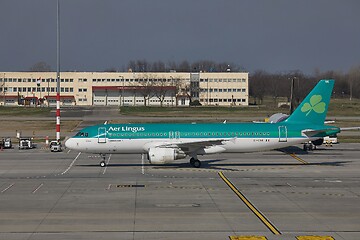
82,134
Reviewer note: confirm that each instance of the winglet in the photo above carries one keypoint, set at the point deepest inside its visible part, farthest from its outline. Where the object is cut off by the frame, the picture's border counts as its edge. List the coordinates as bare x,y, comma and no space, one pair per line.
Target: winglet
314,107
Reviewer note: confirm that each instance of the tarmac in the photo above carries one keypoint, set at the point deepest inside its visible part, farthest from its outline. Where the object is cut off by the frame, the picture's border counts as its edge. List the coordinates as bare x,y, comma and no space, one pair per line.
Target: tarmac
271,195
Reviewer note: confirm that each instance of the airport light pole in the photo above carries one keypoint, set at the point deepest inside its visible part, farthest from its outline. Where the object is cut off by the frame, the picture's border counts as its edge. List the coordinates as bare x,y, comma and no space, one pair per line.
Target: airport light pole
58,74
48,91
292,94
122,90
172,92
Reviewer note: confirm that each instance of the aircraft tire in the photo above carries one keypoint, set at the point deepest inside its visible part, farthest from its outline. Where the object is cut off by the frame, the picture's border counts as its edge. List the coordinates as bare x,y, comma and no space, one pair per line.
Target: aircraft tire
197,163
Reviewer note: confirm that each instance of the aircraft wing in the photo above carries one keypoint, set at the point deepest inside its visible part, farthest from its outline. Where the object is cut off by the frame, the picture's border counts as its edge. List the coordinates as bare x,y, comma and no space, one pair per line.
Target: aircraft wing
188,147
312,133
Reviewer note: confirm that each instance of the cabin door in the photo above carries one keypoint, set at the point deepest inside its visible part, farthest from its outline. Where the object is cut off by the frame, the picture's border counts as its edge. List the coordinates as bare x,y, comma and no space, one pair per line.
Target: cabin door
282,134
173,135
102,135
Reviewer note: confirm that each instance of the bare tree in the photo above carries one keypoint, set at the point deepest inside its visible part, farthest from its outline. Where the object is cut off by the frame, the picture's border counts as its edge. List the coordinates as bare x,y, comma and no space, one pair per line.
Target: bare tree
258,85
161,88
40,67
158,66
184,66
179,88
146,87
354,82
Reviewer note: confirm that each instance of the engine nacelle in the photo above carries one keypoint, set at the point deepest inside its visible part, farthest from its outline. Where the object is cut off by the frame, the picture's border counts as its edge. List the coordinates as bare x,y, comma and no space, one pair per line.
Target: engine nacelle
164,155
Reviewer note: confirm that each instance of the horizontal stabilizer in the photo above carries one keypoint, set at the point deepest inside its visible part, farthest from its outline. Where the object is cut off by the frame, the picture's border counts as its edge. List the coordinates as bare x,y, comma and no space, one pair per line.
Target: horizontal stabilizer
349,128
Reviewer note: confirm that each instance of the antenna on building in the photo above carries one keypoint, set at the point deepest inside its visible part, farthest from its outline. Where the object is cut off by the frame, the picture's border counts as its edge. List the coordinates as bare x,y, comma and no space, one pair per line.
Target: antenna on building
228,69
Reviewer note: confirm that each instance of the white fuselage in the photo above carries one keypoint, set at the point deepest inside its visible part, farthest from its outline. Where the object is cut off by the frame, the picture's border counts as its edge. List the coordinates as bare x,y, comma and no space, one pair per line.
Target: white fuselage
231,145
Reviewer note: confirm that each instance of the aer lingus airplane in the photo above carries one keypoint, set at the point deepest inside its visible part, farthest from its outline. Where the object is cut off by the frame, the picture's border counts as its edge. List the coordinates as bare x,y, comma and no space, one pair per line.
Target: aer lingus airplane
164,143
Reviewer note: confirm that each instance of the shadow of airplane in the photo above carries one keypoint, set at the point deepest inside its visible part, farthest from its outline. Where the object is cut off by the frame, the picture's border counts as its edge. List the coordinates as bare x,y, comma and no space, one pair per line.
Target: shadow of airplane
217,164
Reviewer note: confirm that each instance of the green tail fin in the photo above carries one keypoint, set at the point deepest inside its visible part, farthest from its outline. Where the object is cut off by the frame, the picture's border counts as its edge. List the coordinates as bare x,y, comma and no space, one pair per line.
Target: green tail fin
314,107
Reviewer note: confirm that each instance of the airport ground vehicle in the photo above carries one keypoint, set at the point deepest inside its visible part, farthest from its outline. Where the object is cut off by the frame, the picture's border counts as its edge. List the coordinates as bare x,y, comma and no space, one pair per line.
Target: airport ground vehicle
6,143
55,146
331,140
26,143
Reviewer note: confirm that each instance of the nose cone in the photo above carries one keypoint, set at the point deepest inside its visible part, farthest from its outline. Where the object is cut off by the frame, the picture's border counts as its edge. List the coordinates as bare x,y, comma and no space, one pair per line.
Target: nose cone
70,143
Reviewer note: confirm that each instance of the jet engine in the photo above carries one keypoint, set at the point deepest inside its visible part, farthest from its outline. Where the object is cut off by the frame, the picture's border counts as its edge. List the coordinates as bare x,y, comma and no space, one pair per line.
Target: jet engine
164,155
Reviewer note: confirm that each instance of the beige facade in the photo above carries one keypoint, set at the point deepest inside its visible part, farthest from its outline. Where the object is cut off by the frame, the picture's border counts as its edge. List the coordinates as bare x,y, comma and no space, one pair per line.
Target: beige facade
224,89
124,88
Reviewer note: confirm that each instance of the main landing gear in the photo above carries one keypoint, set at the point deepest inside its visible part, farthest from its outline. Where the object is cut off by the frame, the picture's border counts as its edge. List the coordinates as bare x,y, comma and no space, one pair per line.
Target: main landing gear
195,162
103,163
309,147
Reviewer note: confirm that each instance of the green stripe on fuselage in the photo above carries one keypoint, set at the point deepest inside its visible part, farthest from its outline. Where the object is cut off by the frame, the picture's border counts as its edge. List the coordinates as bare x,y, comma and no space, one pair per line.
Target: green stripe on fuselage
208,130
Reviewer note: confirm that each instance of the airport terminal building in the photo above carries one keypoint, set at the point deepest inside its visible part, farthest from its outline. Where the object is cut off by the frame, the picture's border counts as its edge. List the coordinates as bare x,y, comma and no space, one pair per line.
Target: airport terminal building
125,88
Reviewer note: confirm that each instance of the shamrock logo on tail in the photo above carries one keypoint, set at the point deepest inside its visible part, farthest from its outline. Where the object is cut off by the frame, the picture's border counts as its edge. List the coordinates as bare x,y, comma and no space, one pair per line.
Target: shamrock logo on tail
315,104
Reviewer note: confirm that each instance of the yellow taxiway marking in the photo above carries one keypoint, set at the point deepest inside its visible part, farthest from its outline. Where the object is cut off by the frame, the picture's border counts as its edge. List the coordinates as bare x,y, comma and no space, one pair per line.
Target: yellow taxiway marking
297,158
314,238
247,238
261,216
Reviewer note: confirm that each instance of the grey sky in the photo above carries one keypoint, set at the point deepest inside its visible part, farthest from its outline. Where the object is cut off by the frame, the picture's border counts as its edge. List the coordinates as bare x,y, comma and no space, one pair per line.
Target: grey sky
275,36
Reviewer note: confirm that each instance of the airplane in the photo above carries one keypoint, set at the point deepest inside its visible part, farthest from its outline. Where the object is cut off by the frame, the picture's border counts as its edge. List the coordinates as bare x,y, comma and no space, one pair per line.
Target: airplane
166,142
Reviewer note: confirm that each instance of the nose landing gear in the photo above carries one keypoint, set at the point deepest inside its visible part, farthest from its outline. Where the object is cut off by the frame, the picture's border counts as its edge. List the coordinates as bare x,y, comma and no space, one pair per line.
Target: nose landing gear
103,163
